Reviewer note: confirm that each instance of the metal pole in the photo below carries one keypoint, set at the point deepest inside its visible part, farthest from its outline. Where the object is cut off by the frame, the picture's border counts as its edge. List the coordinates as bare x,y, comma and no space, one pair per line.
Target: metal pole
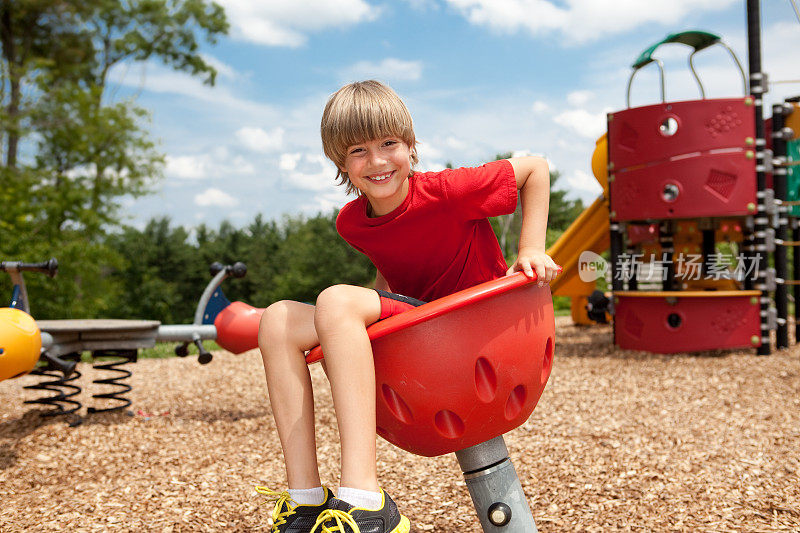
667,240
757,90
796,275
495,488
781,192
616,274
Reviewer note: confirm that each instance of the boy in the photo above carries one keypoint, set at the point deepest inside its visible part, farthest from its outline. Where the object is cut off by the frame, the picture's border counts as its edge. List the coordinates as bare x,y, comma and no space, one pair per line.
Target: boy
428,236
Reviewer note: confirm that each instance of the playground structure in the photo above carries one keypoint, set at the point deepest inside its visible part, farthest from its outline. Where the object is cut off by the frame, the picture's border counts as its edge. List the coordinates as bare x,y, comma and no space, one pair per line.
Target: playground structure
678,179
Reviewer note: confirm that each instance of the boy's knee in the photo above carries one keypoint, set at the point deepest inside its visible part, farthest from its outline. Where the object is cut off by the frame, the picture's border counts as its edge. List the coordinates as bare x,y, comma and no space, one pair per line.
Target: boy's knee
273,325
340,302
332,300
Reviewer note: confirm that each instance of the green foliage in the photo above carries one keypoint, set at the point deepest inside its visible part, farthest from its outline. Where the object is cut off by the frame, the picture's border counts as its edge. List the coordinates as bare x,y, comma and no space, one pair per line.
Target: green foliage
67,156
162,271
313,256
161,276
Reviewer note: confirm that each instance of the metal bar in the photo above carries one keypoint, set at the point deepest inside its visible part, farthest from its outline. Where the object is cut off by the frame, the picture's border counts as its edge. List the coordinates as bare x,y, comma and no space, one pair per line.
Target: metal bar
666,239
795,273
696,77
709,249
19,281
757,90
779,183
738,64
210,288
185,332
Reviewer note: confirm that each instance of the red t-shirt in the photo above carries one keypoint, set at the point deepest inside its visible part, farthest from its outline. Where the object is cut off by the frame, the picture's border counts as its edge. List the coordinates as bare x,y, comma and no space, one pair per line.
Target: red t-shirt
438,240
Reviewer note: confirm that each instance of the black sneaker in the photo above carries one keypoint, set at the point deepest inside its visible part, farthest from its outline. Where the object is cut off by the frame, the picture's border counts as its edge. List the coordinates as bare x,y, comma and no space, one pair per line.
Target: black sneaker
344,518
291,517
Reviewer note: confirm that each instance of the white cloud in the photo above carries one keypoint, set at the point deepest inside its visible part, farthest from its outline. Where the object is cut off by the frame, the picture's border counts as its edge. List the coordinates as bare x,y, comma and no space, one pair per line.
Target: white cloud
390,69
455,143
578,179
215,165
186,167
160,79
540,107
258,140
579,20
215,197
579,98
289,162
582,122
288,23
326,202
308,171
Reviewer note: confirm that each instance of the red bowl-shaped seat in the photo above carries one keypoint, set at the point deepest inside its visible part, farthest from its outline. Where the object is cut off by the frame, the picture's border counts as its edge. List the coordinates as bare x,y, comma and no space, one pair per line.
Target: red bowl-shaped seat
463,369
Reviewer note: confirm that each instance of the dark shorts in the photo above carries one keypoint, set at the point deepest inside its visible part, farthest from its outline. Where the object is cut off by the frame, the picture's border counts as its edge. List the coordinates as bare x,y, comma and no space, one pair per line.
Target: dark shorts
394,304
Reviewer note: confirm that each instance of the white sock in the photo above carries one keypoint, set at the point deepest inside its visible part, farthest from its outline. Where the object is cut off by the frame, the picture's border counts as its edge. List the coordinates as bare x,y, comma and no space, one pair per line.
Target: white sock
313,496
365,499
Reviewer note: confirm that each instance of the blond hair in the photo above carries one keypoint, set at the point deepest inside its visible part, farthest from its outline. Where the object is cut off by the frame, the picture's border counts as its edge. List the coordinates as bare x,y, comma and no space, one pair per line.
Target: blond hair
359,112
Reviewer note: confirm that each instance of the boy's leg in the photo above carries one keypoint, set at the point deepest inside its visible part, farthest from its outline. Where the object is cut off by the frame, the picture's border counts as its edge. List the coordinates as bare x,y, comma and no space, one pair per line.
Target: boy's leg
341,317
285,332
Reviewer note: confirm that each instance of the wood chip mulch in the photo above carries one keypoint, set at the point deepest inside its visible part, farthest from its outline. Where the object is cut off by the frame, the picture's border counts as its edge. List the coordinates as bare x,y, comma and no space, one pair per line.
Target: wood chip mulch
620,441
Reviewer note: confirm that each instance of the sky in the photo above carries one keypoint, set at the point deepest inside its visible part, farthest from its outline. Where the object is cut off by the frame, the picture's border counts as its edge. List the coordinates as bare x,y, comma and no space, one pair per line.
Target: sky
480,77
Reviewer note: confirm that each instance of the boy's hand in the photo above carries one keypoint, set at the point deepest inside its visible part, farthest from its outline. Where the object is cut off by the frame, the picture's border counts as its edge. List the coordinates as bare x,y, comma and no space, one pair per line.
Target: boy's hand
530,261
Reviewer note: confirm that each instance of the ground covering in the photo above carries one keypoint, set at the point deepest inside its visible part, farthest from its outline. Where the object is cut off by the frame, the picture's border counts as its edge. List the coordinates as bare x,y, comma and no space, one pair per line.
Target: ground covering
620,441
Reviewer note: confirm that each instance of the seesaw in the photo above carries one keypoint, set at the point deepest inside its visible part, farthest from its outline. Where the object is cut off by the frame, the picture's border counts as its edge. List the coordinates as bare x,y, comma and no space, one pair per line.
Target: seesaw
52,348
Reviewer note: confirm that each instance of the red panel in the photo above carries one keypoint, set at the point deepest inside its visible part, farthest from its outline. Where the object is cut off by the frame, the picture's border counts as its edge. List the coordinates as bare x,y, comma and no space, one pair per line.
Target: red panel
719,184
703,323
464,369
635,135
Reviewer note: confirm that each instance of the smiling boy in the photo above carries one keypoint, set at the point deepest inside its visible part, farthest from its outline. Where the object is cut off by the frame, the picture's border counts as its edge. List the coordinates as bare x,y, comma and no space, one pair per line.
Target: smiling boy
428,236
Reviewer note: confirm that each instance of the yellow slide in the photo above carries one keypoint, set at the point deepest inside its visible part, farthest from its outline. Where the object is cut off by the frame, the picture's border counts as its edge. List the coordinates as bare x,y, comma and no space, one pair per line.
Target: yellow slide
589,232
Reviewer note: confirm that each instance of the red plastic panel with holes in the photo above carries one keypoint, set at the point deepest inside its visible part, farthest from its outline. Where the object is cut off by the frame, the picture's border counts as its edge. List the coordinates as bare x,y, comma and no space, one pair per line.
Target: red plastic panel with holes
686,324
644,135
463,369
719,184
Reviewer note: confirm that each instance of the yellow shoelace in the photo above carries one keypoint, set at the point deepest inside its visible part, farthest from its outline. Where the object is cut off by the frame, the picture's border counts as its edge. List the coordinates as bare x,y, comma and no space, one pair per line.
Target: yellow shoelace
341,519
281,500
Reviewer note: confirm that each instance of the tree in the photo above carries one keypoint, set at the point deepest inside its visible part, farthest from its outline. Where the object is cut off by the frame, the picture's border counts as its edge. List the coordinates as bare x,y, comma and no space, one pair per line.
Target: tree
313,256
68,155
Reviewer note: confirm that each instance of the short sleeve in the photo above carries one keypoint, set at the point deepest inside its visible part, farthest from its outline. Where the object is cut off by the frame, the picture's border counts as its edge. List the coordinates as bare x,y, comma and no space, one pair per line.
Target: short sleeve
486,191
346,222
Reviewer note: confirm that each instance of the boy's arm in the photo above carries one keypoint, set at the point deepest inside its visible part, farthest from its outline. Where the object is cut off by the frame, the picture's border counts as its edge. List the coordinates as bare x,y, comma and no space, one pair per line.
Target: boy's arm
533,182
381,283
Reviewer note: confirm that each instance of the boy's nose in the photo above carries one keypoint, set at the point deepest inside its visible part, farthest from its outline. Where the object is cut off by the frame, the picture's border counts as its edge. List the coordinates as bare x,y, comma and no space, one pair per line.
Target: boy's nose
377,159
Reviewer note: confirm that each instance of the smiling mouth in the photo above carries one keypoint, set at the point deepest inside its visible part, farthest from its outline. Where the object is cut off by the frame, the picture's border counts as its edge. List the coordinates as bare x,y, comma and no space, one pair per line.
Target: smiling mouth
381,177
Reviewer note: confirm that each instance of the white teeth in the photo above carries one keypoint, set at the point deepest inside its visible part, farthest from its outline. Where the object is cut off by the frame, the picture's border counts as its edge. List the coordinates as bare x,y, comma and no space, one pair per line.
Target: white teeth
380,177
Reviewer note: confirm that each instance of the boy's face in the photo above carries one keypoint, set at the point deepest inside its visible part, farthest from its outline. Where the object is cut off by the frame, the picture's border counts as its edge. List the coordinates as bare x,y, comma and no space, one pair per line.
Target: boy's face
380,169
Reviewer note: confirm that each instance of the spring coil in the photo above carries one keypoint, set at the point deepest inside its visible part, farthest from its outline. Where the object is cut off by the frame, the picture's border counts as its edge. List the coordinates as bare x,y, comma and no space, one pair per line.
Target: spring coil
125,357
62,397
